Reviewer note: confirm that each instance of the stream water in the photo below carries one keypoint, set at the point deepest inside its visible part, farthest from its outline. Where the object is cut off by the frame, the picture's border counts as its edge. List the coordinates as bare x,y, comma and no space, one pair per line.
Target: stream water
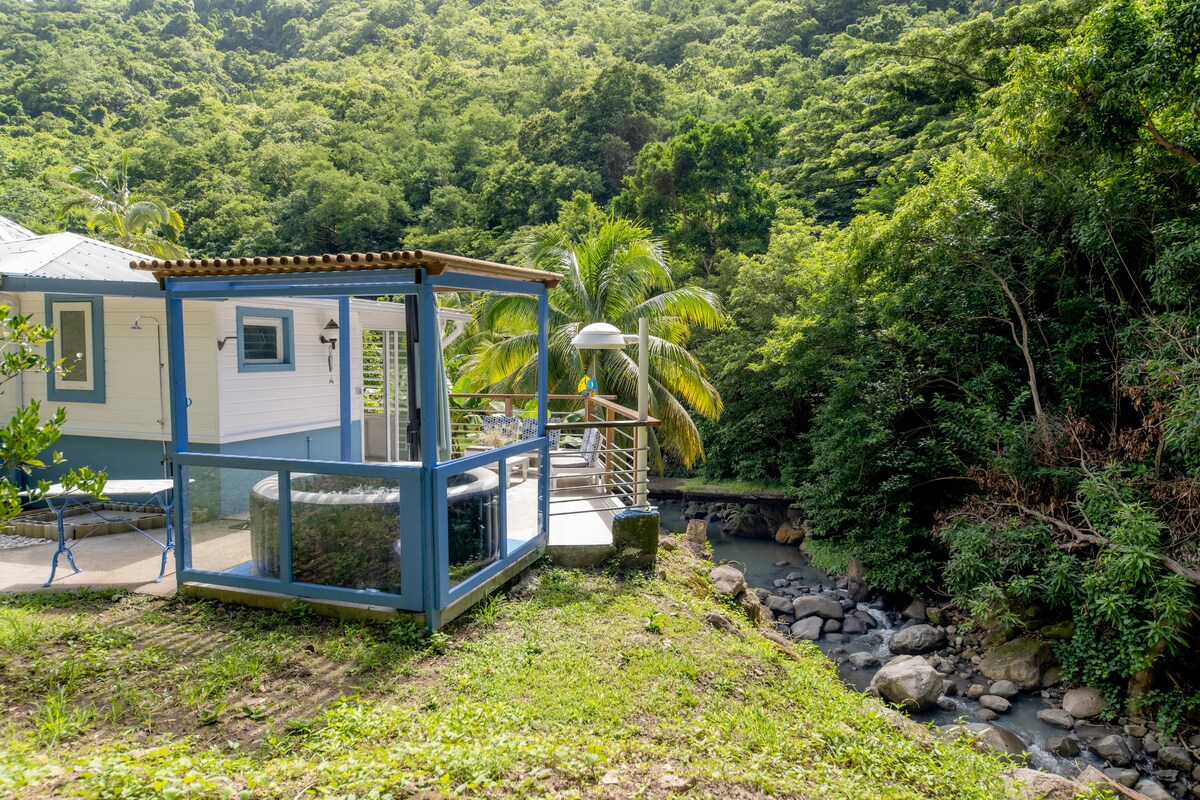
763,561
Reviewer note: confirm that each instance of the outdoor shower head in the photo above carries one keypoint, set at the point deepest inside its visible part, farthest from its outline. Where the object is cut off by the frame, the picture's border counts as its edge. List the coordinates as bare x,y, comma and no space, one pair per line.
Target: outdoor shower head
137,321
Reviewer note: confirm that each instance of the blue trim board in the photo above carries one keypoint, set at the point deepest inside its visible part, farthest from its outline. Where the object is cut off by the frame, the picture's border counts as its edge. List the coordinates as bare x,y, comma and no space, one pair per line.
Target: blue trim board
287,344
24,283
96,393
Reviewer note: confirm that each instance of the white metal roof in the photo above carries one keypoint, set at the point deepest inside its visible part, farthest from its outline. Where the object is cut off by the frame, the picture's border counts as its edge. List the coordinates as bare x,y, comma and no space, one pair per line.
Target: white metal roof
69,256
11,231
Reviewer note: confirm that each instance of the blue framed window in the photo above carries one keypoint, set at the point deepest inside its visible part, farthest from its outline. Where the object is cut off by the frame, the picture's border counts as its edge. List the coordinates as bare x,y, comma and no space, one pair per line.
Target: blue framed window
265,340
78,324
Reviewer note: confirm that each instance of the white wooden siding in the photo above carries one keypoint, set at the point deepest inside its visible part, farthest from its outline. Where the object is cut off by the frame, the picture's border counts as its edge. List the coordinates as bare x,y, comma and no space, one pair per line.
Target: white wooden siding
131,408
273,403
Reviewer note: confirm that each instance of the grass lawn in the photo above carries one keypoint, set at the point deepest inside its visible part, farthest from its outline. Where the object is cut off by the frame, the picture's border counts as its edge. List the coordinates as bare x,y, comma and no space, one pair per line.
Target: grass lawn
572,685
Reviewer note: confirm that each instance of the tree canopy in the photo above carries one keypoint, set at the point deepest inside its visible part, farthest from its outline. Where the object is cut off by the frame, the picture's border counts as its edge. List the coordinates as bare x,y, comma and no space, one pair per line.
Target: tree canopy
955,240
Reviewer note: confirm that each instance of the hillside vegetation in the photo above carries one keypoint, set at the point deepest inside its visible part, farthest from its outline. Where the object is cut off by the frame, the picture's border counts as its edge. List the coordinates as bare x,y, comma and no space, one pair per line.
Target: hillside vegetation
575,686
958,241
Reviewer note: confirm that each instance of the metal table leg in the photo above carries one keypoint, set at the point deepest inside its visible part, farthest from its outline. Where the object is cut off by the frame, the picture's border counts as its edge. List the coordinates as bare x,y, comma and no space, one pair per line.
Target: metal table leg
62,542
169,545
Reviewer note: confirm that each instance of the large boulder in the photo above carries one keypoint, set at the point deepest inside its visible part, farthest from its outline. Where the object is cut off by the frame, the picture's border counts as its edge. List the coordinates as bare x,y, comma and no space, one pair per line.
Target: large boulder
1175,758
863,660
1083,703
748,522
1005,689
752,604
1153,790
914,610
779,604
1056,717
908,682
789,533
994,737
1023,661
1114,750
817,606
808,628
995,703
727,580
1036,785
916,640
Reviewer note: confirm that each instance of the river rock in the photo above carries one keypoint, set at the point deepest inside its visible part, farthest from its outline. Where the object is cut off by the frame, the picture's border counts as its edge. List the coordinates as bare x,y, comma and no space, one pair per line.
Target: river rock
1175,758
816,605
916,640
754,608
833,626
976,691
909,682
949,688
1153,790
863,660
1123,777
1063,746
999,739
727,580
986,714
853,626
1005,689
779,605
1042,785
1083,703
914,610
1113,750
1056,717
1023,661
787,533
808,628
994,703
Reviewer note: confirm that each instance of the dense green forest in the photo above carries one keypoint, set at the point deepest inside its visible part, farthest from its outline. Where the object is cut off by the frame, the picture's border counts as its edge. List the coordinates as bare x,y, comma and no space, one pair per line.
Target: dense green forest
957,241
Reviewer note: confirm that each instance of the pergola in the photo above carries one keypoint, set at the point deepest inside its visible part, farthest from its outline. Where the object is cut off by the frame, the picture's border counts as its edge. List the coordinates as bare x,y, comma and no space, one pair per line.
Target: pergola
456,530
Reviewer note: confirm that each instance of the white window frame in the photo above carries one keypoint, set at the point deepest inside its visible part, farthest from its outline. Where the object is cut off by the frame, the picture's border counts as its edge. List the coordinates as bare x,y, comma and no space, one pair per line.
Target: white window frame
280,340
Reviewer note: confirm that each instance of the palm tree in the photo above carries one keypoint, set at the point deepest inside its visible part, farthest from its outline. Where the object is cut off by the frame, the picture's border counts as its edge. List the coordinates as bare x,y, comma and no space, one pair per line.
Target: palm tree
147,225
615,274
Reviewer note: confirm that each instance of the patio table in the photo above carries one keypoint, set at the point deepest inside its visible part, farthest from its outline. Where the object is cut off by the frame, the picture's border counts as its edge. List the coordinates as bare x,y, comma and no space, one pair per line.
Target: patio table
160,491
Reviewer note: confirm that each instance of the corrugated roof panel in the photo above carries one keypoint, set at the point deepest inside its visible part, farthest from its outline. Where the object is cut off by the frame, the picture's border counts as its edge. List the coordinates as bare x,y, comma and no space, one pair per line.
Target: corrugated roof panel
11,231
70,256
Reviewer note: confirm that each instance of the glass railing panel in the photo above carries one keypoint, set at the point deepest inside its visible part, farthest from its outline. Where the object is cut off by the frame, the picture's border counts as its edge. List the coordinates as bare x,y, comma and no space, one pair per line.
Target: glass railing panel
231,529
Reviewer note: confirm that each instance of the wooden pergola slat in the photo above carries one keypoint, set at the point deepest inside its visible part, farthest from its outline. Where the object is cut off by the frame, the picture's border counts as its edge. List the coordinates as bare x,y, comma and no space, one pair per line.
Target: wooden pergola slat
434,263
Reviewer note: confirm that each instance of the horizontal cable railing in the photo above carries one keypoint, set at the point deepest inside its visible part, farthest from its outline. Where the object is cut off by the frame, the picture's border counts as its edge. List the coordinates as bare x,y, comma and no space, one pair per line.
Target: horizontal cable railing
598,446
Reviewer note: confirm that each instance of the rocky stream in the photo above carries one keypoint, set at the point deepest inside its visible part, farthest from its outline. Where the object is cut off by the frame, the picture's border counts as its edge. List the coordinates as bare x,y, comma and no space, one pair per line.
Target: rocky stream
923,658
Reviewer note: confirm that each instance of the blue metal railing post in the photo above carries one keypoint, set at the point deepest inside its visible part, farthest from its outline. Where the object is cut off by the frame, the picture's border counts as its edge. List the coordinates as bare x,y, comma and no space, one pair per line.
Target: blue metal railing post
347,428
434,545
176,377
284,482
543,390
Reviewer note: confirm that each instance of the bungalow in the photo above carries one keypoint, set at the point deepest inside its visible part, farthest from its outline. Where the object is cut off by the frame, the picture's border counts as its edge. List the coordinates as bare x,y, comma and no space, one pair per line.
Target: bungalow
263,374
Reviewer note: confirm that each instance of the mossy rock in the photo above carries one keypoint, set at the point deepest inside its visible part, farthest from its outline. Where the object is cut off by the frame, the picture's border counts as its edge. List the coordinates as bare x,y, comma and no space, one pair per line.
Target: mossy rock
1059,631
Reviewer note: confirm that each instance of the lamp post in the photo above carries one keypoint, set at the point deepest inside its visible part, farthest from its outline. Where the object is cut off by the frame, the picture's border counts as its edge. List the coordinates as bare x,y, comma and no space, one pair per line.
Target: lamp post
602,336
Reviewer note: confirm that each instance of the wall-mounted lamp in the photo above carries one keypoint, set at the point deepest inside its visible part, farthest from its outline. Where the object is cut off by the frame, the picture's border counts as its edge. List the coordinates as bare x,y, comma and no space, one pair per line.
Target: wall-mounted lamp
221,342
329,337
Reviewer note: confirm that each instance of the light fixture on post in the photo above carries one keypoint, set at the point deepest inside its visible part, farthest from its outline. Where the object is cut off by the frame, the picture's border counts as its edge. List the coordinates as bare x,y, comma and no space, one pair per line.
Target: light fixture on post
603,336
329,337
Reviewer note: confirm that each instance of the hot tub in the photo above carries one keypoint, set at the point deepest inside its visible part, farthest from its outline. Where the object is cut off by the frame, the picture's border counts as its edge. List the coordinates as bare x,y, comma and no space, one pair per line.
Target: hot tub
346,530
